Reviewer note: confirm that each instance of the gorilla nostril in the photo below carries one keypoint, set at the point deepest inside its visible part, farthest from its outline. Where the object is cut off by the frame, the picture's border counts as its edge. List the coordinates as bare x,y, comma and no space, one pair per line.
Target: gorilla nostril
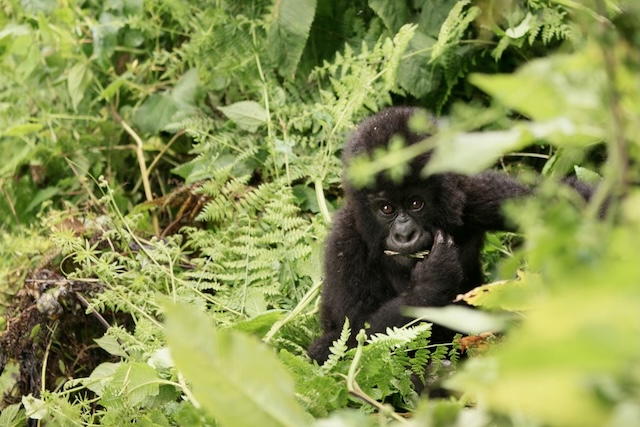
405,237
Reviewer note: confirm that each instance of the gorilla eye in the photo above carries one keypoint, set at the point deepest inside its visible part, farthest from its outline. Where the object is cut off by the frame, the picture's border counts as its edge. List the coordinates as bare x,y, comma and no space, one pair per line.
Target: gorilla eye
387,208
416,205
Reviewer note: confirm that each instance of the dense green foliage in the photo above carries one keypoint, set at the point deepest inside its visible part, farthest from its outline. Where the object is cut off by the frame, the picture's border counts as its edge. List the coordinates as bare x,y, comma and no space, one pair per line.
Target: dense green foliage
172,168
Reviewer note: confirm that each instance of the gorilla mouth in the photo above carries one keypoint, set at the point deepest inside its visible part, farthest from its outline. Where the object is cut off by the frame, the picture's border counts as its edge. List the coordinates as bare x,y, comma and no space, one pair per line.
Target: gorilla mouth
417,255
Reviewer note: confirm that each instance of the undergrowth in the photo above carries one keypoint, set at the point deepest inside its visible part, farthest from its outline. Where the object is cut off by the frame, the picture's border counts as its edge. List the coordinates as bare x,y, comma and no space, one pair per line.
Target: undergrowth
171,170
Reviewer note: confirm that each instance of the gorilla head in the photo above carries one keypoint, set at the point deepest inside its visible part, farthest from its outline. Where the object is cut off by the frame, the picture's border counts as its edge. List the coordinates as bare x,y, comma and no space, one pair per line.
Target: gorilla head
400,216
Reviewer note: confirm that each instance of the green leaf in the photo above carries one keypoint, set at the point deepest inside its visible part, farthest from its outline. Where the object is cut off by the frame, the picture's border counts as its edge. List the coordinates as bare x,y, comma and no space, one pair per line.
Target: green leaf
521,29
15,154
288,32
41,196
460,318
35,408
260,324
571,92
415,74
393,14
77,82
584,334
22,129
246,114
473,152
235,378
110,344
101,375
155,113
185,92
12,416
586,175
158,110
137,381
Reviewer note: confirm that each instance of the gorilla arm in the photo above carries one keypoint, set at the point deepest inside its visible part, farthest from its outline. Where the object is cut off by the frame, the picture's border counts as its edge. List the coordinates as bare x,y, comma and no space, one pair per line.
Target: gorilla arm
435,282
487,192
355,285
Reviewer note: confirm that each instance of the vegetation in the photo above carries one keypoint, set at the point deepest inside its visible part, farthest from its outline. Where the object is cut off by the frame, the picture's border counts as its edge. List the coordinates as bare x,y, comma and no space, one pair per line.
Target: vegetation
171,169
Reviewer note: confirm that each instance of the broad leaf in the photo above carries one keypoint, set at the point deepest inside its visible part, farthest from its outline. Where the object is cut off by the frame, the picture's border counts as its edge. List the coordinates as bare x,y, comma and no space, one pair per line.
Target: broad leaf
287,35
393,14
415,74
235,378
77,81
570,350
101,375
155,113
539,91
473,152
137,381
461,319
246,114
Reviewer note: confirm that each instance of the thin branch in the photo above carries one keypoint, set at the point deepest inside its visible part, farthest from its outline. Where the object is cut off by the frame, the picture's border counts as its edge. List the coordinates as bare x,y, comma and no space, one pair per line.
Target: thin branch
94,313
355,390
144,173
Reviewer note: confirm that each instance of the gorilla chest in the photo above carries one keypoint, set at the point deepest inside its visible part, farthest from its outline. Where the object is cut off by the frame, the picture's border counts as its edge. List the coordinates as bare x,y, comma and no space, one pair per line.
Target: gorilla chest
399,280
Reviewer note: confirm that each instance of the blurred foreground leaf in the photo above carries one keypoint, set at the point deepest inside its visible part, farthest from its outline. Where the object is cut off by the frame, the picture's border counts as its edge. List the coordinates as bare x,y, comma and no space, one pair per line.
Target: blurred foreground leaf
557,367
235,378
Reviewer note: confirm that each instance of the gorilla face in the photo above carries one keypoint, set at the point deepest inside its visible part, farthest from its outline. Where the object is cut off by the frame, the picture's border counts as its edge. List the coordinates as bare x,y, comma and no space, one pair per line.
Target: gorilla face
404,219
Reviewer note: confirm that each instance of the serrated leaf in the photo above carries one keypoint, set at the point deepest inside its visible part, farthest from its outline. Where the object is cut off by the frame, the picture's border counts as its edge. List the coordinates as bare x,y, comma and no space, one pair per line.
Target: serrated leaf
111,345
393,14
246,114
101,375
288,32
415,74
235,378
12,416
137,381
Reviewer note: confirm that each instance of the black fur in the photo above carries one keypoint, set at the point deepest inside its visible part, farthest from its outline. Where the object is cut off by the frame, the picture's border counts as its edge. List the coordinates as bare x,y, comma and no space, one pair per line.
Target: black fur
365,285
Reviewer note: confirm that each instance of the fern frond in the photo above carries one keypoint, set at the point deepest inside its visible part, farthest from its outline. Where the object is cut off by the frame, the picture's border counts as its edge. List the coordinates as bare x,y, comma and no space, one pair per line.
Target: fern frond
339,348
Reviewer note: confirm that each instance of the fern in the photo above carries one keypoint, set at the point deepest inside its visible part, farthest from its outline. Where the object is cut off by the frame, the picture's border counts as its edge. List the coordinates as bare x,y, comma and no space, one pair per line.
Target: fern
396,337
454,28
339,348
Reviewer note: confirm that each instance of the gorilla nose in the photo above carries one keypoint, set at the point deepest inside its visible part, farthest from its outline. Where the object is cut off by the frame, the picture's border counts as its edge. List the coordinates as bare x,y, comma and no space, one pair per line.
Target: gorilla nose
405,237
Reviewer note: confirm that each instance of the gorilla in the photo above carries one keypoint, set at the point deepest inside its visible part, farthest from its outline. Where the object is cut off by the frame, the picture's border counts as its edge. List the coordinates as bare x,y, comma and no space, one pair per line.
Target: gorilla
376,258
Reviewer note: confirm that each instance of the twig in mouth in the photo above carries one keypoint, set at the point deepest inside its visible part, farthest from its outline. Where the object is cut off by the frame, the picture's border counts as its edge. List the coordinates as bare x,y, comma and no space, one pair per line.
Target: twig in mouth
418,255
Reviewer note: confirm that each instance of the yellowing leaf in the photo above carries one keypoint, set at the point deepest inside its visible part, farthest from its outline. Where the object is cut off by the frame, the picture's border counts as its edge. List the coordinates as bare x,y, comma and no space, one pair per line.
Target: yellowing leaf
514,295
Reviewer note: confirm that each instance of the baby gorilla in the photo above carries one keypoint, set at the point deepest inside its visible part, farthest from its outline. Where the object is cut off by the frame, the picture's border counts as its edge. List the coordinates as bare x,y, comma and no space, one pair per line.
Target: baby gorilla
411,243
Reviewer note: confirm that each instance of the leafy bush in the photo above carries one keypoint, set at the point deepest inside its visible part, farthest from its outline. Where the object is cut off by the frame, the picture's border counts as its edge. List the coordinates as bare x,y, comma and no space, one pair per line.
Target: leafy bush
171,172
